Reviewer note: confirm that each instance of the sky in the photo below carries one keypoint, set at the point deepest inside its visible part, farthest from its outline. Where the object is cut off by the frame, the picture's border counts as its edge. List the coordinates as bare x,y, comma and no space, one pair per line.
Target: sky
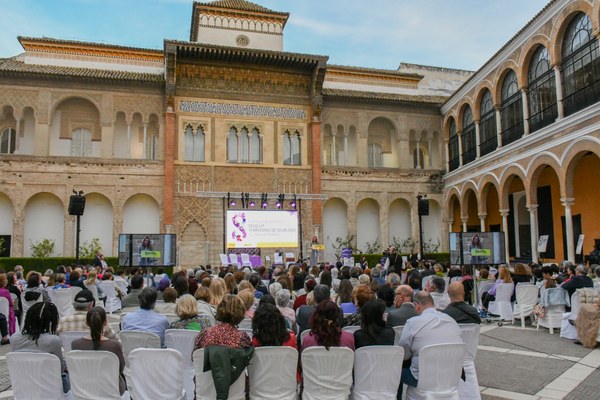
461,34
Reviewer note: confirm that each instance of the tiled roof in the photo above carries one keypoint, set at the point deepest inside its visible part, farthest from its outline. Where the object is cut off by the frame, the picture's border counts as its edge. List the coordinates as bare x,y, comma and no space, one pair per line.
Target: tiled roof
390,72
375,96
241,5
25,39
12,66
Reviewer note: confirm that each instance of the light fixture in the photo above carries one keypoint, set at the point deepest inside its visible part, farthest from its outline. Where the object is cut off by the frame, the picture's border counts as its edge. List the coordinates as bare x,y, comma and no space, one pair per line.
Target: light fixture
293,203
280,199
263,200
252,204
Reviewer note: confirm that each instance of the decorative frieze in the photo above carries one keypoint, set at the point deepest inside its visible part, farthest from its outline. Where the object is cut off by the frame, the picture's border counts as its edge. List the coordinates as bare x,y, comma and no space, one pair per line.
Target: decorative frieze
246,110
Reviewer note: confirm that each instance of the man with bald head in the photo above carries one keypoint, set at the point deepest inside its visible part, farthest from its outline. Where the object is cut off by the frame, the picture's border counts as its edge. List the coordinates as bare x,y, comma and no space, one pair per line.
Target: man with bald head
404,308
428,328
461,311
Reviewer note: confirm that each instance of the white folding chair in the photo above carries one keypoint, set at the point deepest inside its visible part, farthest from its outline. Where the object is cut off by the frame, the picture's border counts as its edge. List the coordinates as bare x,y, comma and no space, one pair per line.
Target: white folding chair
566,329
94,375
527,297
376,372
233,260
67,338
247,330
425,280
327,373
63,299
132,340
224,260
44,367
74,290
183,340
94,290
502,306
289,259
483,287
277,259
446,283
112,303
303,335
264,385
26,304
122,284
398,333
469,388
171,317
4,307
156,374
554,301
246,260
205,386
351,328
435,382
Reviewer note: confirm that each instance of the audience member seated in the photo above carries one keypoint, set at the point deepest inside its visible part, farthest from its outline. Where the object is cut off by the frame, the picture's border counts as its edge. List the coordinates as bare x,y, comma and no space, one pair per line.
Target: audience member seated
325,329
217,290
202,296
320,293
373,331
230,313
490,295
131,299
92,280
404,309
461,311
269,328
386,294
187,311
4,330
283,302
75,278
309,285
360,295
39,335
344,297
435,287
578,281
428,328
169,302
145,319
96,340
12,320
61,282
467,281
83,302
247,297
34,289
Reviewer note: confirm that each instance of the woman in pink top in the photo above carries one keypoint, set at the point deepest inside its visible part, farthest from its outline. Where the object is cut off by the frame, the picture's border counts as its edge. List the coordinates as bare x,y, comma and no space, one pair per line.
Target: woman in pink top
325,328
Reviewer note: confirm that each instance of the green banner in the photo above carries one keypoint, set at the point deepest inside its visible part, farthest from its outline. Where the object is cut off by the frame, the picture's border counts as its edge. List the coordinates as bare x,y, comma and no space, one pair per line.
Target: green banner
150,254
481,252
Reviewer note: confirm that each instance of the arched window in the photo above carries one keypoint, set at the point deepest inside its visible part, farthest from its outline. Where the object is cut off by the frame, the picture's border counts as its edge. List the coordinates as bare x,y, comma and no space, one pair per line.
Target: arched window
194,144
232,146
420,158
244,145
375,156
511,112
542,91
580,65
152,146
81,143
488,136
291,148
453,151
255,150
469,145
8,140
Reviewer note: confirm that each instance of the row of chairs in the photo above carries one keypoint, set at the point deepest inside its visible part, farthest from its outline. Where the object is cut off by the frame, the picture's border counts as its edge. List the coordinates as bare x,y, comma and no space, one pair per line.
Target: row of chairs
155,374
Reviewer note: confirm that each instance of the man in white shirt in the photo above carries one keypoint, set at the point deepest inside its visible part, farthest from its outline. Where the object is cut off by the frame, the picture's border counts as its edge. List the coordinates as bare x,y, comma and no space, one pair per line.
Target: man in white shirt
428,328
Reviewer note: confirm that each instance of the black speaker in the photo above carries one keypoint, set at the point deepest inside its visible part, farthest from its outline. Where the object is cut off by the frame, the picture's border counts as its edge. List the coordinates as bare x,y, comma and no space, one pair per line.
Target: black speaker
76,205
423,206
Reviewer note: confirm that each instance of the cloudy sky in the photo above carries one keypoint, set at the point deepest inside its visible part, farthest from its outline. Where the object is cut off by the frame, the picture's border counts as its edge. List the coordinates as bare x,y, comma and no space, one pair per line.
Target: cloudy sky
459,34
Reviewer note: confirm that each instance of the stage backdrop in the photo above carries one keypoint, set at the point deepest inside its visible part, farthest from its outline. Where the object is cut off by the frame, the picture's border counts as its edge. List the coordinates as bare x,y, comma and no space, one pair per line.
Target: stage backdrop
261,228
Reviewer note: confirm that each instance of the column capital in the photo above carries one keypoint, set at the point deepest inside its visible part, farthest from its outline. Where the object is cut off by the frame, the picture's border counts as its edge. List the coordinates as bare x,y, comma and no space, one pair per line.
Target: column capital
504,212
567,201
531,207
464,220
482,215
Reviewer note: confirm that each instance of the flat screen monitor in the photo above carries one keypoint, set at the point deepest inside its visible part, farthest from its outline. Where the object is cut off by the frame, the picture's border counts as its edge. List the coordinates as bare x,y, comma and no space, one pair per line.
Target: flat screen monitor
477,248
261,228
147,250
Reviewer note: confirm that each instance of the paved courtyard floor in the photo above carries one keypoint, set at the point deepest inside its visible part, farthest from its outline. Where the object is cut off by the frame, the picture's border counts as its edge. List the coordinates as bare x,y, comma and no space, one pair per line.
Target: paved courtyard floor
512,363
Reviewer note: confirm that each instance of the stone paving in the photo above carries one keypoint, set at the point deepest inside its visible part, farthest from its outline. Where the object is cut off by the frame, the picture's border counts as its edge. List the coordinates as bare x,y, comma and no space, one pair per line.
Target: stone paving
512,363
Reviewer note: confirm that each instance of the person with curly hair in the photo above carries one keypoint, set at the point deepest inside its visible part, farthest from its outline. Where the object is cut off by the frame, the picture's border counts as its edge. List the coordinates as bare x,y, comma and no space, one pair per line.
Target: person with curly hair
269,328
325,328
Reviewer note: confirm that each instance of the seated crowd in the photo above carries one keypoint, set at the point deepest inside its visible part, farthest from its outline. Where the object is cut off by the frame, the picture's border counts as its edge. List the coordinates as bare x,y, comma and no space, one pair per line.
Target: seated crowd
275,305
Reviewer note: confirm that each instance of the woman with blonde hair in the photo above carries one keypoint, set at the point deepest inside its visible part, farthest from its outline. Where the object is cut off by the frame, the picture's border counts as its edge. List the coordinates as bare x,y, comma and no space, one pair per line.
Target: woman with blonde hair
217,291
503,277
187,311
92,280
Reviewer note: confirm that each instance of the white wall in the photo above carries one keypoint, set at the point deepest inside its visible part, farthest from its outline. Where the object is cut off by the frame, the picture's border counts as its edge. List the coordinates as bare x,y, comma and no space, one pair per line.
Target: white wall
367,223
399,225
97,222
226,37
141,214
335,224
432,224
44,218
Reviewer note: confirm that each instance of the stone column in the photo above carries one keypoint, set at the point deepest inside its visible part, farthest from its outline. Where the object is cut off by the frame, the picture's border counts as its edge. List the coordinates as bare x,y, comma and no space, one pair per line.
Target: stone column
477,139
334,158
482,221
450,223
568,203
345,149
464,224
169,185
525,111
17,135
446,147
498,125
315,134
532,208
429,164
505,213
128,138
559,91
145,150
460,154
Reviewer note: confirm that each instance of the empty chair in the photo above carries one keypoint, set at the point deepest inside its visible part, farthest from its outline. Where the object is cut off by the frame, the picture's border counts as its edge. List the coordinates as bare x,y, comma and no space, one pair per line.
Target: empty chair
469,388
94,290
4,307
67,337
74,290
246,260
327,373
46,369
94,375
205,386
584,295
112,303
376,372
277,259
502,305
182,340
435,382
63,299
132,340
398,329
265,385
224,260
233,260
156,374
527,298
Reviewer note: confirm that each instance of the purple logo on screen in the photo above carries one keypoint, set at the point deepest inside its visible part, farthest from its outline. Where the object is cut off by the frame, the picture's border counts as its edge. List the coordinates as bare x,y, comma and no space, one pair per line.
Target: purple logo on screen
239,232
